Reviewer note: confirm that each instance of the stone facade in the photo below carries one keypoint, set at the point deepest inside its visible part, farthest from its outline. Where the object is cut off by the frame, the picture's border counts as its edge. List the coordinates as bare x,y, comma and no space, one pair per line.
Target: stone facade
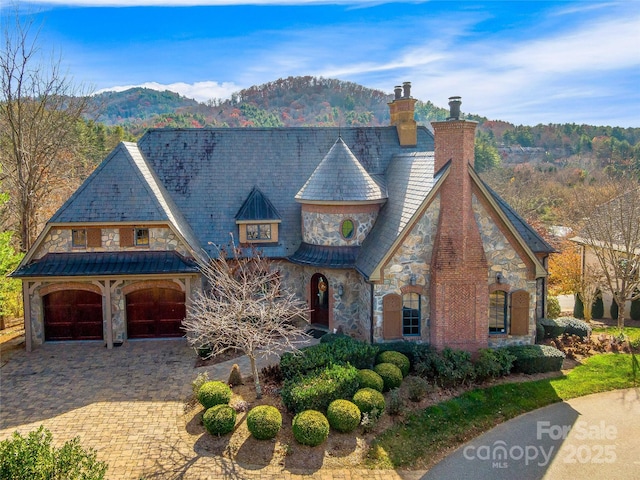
58,240
412,259
350,312
325,228
504,259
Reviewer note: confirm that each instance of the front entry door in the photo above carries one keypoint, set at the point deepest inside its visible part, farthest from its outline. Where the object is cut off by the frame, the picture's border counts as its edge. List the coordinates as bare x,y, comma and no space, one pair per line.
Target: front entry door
319,300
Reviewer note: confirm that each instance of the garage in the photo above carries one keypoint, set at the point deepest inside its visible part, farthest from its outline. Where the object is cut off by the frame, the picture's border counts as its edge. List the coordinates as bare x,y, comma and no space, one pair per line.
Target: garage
73,315
155,313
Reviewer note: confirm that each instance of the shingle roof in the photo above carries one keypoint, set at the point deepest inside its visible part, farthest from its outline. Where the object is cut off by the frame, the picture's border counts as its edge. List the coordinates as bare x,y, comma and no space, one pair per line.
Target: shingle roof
410,178
340,177
257,207
124,189
107,264
208,172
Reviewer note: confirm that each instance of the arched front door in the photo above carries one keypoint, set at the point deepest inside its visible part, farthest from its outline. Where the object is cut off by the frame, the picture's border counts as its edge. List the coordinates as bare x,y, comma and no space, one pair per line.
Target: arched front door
320,300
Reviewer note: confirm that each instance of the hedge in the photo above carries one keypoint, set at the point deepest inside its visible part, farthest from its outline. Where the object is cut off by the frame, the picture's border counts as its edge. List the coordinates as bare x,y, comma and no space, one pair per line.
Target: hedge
317,391
342,350
536,358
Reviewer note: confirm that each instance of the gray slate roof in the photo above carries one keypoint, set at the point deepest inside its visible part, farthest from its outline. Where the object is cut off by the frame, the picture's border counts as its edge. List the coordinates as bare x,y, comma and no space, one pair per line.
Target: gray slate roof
410,178
340,177
210,172
201,180
123,188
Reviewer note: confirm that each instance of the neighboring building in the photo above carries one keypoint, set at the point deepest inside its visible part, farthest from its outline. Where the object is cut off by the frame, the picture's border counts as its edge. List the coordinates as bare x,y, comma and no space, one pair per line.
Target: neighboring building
387,232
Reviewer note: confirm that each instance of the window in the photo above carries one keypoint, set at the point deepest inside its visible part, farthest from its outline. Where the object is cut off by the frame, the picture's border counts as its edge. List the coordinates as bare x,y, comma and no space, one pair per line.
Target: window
347,229
411,314
260,231
142,237
498,312
79,238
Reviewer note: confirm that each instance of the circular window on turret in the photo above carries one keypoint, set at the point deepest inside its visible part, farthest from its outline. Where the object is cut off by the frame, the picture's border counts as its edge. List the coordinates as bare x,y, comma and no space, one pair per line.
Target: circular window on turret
348,229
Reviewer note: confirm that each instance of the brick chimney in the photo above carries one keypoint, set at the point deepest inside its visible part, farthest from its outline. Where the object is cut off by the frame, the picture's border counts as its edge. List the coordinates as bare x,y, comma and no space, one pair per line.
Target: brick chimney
459,269
402,110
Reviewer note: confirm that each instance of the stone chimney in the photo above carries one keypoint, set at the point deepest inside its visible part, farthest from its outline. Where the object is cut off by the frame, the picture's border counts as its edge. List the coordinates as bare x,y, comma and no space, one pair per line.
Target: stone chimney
459,269
402,110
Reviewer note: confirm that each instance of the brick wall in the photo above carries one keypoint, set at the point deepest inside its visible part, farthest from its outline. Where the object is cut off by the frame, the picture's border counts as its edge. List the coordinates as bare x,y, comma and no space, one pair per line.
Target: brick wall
459,299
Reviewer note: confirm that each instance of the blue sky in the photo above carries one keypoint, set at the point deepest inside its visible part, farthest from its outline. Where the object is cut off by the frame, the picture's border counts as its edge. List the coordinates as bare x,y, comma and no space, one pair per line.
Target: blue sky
518,61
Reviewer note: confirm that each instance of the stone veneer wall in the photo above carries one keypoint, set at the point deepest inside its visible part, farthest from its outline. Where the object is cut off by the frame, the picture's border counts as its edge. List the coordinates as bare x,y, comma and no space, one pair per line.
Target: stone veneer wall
504,259
351,311
324,228
58,240
413,257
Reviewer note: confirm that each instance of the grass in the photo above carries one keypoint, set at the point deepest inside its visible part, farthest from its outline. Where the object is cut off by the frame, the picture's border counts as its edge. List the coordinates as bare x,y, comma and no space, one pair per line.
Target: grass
632,333
425,436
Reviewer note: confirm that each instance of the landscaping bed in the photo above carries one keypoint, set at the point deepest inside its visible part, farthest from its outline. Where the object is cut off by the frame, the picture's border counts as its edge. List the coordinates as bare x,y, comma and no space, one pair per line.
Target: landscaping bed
339,450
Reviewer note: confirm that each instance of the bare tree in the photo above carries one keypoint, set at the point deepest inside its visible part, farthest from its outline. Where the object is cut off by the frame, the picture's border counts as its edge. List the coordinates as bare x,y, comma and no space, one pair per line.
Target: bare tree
245,307
611,235
39,109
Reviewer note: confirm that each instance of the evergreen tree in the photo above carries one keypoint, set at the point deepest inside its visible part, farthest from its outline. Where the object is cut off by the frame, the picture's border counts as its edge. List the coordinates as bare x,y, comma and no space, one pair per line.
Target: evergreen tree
597,311
578,307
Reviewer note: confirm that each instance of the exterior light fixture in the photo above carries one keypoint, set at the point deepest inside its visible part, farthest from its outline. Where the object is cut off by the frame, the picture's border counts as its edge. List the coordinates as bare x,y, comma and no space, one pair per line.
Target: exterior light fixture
412,279
499,277
340,290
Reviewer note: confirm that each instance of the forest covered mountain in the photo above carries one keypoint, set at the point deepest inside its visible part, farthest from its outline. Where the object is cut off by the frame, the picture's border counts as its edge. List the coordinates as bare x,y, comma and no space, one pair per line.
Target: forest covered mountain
313,101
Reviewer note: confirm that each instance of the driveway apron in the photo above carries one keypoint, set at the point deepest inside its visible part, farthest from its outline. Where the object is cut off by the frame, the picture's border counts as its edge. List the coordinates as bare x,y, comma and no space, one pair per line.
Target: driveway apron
127,404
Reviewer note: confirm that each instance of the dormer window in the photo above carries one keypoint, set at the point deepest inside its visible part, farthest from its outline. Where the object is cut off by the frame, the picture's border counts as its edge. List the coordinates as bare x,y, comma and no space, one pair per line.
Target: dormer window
142,237
257,219
260,231
79,238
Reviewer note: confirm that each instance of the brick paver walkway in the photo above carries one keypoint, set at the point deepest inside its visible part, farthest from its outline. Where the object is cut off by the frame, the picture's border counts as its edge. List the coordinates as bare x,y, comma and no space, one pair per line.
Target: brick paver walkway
128,404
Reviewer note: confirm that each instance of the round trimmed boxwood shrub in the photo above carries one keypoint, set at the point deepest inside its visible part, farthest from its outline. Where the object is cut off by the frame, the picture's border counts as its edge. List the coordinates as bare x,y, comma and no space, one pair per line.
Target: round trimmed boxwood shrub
369,379
368,399
400,360
343,415
264,422
219,419
310,428
391,375
214,393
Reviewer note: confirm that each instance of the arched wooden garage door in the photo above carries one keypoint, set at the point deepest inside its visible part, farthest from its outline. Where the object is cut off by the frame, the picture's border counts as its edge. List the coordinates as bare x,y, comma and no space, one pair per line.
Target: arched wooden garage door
73,315
155,313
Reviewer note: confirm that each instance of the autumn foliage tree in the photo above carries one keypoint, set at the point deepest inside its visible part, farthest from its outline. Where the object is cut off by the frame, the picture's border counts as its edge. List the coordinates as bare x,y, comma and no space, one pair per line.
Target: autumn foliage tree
246,307
568,276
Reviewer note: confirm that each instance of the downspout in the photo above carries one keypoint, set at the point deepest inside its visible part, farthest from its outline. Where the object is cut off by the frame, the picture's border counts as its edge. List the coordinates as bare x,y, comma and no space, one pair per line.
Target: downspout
371,313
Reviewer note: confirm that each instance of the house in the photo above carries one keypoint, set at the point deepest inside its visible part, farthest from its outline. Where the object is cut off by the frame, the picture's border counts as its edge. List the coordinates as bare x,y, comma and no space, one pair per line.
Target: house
387,232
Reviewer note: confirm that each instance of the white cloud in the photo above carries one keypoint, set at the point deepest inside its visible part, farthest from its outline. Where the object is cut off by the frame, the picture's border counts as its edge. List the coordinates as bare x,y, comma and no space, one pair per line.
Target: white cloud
200,91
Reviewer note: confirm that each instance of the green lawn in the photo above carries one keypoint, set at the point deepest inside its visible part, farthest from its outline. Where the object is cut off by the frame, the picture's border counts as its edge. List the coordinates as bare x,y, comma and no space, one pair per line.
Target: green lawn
633,333
425,436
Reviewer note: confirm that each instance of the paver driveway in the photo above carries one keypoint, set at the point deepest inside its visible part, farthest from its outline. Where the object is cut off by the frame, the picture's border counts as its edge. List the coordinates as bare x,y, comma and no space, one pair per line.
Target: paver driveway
128,404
